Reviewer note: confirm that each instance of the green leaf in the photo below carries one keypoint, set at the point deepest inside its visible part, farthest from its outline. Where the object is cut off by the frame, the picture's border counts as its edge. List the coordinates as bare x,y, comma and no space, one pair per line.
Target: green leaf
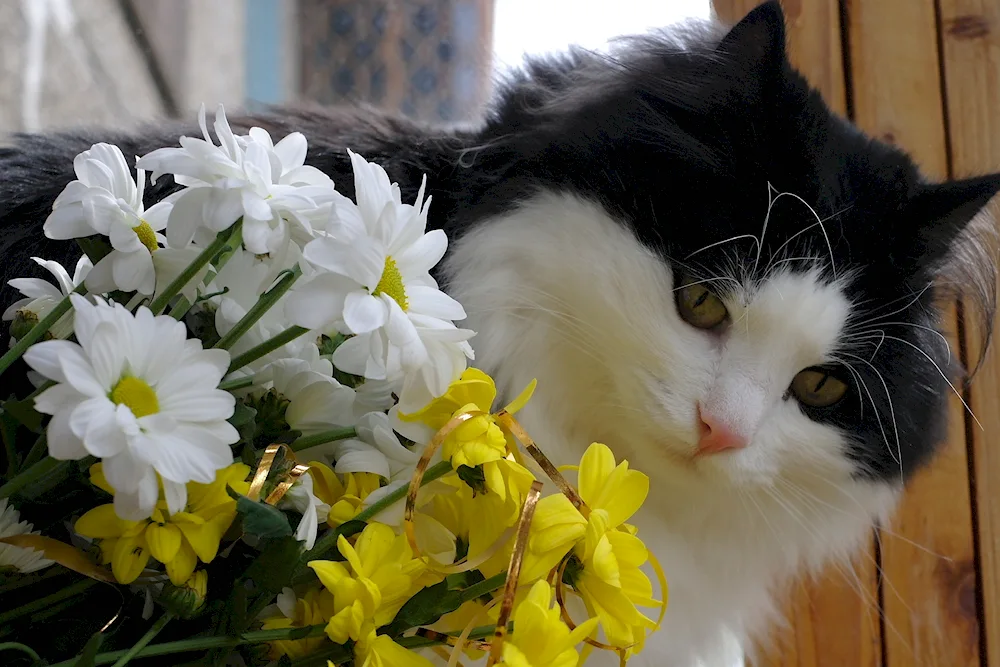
424,608
24,412
272,570
260,518
94,247
89,652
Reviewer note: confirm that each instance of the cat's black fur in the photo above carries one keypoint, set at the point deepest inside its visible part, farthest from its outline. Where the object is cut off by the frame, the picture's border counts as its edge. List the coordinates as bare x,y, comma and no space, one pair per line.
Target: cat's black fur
685,137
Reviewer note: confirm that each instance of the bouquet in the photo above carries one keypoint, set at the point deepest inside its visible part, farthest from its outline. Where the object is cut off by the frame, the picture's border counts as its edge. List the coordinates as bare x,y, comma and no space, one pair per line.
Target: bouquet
253,439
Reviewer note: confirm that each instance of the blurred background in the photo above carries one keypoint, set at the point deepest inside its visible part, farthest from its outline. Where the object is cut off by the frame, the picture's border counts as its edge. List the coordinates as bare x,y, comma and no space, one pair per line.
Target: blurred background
73,62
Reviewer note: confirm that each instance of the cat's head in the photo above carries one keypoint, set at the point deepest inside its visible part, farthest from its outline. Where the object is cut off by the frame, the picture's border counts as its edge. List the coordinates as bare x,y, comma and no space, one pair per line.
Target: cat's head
714,268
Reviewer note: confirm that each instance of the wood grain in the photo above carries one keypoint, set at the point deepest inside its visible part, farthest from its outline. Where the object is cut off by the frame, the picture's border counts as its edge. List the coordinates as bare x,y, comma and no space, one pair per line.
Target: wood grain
970,33
928,560
834,620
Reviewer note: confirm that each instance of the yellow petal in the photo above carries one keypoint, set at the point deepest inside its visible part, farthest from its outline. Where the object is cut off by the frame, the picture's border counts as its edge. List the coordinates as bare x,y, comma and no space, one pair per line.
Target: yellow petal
129,558
350,554
623,494
180,567
204,538
629,549
164,540
330,573
603,562
382,650
522,398
101,522
595,467
373,546
346,624
326,486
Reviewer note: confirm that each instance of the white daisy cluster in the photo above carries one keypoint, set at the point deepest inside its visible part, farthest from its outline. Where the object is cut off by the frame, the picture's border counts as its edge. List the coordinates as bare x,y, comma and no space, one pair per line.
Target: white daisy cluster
255,280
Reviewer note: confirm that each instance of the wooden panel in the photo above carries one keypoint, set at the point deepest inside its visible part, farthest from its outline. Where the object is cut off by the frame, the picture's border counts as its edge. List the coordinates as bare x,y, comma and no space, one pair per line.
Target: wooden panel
833,621
970,34
928,560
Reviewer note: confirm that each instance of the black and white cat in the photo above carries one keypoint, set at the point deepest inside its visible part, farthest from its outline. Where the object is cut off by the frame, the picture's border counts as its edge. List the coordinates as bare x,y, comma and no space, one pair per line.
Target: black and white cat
704,268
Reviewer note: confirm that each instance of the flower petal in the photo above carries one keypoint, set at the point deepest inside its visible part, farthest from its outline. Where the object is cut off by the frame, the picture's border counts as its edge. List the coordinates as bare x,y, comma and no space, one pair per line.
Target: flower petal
363,312
164,541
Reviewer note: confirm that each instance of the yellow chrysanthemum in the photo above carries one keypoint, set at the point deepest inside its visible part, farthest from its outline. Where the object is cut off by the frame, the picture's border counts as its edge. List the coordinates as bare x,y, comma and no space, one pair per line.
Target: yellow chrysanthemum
374,650
605,555
381,574
312,609
480,439
177,540
540,637
344,497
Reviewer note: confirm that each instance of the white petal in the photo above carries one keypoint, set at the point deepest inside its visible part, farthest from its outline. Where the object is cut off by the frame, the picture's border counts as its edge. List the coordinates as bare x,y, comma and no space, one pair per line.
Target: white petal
63,444
78,372
104,436
367,459
36,288
363,312
68,222
175,494
433,302
361,355
186,216
317,303
291,151
138,501
44,357
101,280
199,407
308,526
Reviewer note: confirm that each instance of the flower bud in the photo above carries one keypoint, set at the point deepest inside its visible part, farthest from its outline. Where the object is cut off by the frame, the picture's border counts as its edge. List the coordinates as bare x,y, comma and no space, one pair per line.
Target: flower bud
185,601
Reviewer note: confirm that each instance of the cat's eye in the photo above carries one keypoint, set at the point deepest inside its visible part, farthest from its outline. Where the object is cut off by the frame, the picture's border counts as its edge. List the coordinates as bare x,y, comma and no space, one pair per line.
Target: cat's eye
818,387
699,306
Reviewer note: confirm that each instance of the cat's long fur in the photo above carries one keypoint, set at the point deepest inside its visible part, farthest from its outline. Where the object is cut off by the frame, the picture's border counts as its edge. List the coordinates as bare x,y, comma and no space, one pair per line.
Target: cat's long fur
593,184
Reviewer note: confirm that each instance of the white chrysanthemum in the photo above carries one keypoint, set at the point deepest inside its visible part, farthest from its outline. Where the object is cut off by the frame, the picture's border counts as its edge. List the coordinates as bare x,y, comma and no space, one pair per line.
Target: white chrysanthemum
106,200
317,402
42,296
19,558
376,449
140,395
314,511
249,176
373,280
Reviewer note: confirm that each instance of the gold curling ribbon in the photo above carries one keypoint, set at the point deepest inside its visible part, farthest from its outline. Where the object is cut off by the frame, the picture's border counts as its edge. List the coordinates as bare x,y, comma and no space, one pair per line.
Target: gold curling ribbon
463,638
264,469
512,425
409,528
514,571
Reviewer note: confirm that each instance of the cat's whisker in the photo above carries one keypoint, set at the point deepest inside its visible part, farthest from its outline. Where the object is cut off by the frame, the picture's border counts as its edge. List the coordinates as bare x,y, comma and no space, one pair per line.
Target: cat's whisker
892,410
738,237
873,319
930,330
898,459
942,373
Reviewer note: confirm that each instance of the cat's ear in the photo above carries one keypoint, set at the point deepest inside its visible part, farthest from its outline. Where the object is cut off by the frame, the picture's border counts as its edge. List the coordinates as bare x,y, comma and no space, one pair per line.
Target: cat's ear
758,41
944,210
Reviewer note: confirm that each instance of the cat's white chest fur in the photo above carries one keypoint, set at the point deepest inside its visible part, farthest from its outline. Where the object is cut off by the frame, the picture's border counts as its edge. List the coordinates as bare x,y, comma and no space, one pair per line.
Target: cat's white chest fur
560,292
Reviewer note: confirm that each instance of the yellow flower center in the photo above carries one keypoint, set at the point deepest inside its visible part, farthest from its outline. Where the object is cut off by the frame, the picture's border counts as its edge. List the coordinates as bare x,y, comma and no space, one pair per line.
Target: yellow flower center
137,395
391,283
147,236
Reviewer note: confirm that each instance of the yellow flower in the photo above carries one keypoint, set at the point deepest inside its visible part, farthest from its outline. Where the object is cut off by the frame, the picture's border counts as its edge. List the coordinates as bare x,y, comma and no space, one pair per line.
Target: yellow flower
605,566
374,650
382,575
555,529
480,439
344,497
540,637
177,540
312,609
186,600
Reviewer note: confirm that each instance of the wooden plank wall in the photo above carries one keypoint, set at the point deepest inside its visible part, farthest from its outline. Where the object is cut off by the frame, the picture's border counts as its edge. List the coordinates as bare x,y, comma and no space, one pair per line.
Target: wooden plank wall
924,74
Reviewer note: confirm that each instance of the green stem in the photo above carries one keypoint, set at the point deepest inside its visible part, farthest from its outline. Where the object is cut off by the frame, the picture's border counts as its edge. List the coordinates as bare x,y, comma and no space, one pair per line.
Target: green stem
36,605
188,274
180,308
45,385
264,304
308,441
337,654
15,646
483,587
36,452
329,541
237,383
267,347
161,623
33,474
37,331
205,643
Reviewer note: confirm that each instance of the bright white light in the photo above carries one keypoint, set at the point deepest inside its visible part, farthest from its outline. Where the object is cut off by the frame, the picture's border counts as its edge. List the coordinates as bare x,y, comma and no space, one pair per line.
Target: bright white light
546,26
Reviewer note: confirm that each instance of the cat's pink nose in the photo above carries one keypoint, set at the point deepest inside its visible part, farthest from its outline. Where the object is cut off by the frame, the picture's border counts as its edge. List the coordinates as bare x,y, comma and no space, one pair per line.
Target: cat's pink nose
717,436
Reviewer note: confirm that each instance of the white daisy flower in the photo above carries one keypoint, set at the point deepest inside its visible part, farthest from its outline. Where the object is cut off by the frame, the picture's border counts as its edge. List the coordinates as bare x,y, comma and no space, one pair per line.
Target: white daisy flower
138,394
18,558
373,280
376,449
317,402
314,511
106,200
42,296
249,176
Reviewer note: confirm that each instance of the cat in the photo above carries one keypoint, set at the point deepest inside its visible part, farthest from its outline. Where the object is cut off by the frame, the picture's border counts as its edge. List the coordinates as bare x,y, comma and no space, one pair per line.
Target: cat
703,266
